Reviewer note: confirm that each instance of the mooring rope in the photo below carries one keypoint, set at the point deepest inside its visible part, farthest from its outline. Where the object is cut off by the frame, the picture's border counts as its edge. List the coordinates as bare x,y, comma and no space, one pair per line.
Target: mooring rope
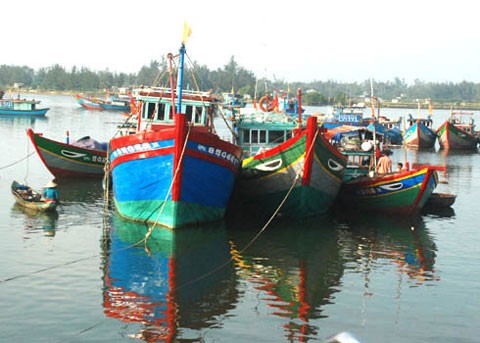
201,277
150,230
262,230
16,162
232,259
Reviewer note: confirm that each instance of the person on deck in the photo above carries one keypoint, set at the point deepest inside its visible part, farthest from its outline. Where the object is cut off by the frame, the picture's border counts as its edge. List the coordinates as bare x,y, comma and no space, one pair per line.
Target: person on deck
400,167
384,164
50,193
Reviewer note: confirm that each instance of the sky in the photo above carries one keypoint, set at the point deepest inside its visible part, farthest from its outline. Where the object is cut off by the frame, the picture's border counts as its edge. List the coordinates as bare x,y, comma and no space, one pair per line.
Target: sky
296,40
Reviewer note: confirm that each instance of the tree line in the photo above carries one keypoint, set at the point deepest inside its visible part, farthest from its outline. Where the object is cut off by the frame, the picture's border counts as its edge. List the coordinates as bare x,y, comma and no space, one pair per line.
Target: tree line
233,76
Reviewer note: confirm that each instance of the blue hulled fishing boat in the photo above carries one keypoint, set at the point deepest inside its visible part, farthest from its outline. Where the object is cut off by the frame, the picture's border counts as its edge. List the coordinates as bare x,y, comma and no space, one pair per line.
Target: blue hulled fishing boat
175,170
21,107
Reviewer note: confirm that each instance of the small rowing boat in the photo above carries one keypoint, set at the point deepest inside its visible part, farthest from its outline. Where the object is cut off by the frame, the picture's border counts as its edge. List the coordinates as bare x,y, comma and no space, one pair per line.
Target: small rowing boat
27,197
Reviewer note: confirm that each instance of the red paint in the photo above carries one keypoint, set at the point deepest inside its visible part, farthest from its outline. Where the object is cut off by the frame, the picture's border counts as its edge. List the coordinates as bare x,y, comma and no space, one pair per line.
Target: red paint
180,140
309,150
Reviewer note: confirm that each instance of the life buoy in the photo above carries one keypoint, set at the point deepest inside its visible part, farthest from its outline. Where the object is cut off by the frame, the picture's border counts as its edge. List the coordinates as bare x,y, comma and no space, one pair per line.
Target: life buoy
267,103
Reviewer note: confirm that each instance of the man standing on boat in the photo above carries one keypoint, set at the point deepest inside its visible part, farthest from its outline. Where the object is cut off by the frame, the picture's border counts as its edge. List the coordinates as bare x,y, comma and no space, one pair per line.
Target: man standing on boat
384,164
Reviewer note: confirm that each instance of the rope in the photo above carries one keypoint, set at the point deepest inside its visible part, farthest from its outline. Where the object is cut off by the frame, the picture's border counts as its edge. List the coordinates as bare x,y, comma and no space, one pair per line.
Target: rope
14,163
150,230
265,226
232,259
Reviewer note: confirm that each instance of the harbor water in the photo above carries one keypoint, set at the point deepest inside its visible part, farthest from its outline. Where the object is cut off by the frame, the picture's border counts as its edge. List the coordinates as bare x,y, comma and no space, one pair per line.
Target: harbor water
83,274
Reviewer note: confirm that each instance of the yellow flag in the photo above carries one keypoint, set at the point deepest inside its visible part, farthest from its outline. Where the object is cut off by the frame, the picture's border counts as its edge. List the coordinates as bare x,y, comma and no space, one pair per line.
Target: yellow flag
187,31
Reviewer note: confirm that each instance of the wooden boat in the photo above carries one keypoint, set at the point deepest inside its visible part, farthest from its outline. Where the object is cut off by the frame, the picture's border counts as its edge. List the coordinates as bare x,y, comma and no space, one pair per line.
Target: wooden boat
405,192
26,197
83,158
349,115
21,107
110,103
175,171
232,101
419,133
298,165
441,200
458,132
390,129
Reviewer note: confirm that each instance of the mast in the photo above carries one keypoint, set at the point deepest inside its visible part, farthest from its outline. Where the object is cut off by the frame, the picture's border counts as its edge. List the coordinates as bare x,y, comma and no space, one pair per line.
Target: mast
172,84
299,97
255,95
180,78
372,99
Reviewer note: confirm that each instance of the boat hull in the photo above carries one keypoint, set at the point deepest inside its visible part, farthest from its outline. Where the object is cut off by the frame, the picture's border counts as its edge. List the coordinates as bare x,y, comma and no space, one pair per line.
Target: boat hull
64,160
97,104
450,137
33,200
34,113
398,193
419,136
148,187
302,176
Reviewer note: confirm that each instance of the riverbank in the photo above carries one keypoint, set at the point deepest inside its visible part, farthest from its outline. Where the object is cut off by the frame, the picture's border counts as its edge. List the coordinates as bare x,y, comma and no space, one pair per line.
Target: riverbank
458,106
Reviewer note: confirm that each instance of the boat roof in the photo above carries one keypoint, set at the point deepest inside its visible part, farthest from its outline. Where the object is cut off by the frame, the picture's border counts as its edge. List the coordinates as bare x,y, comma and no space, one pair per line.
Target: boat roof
150,93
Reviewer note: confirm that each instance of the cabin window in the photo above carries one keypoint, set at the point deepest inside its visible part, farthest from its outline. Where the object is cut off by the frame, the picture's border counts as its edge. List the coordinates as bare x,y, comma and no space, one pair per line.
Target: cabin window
194,114
276,137
198,115
148,110
258,136
254,136
245,136
161,112
188,112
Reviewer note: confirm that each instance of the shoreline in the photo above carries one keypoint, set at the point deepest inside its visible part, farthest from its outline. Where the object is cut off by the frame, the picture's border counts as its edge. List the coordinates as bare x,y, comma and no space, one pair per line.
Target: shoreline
407,105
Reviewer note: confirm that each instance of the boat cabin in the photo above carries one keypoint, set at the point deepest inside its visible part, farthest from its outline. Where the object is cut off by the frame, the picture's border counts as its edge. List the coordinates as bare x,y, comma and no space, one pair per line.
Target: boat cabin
359,163
428,122
258,132
19,104
156,107
463,121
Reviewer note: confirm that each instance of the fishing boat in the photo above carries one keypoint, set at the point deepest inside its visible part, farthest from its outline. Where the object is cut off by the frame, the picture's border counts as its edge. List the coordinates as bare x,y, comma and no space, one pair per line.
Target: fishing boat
419,132
457,132
82,158
405,192
26,197
296,169
364,189
110,103
390,130
232,101
21,107
346,115
175,170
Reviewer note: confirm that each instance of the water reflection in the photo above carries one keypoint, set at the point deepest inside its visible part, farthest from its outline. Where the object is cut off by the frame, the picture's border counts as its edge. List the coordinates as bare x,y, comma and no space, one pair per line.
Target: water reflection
295,265
172,282
36,221
20,122
77,191
406,244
